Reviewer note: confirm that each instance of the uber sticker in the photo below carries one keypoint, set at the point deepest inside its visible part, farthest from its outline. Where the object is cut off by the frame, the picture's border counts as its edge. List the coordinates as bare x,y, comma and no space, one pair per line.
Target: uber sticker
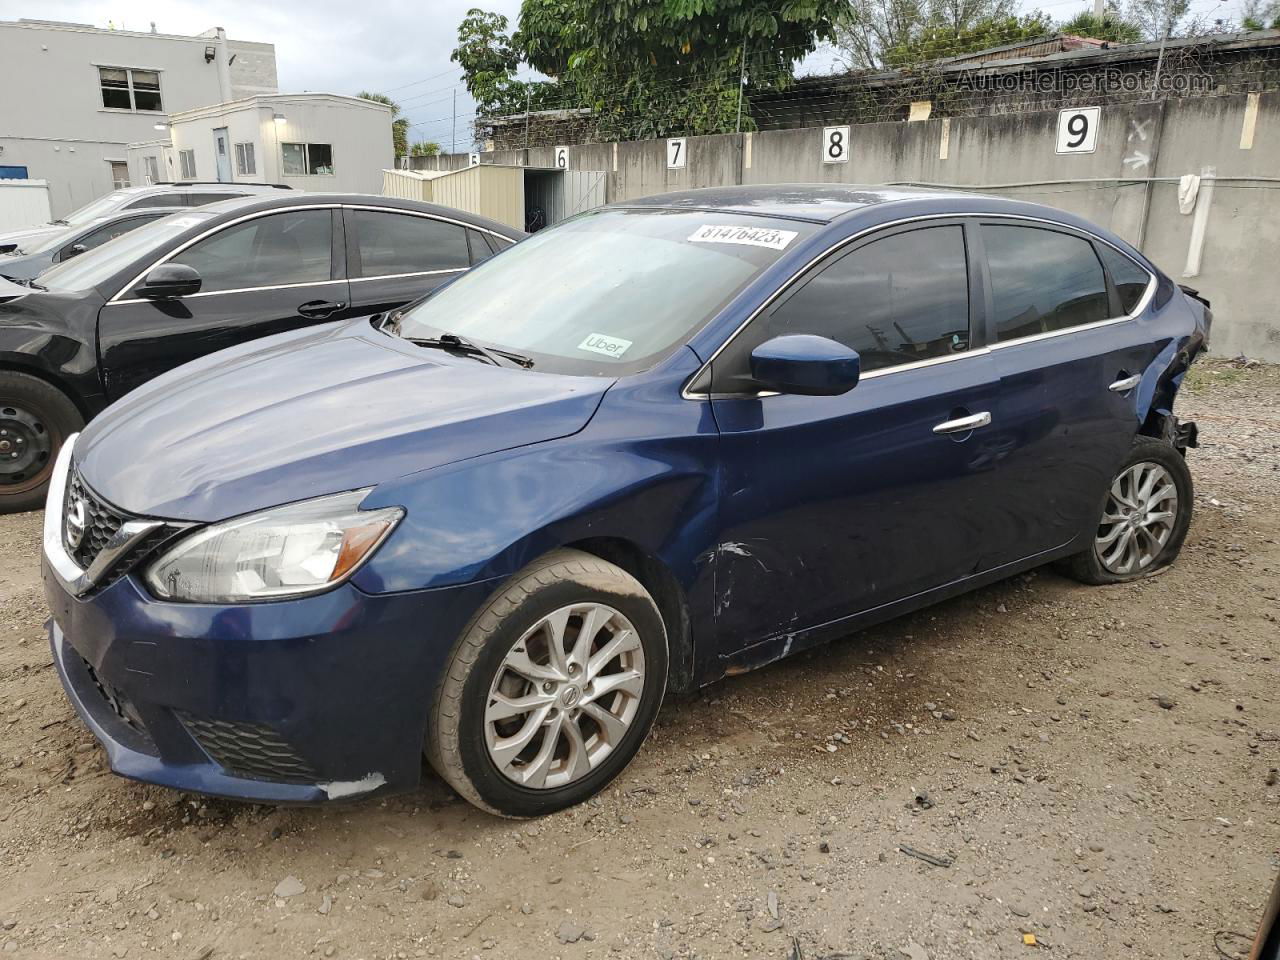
609,346
750,236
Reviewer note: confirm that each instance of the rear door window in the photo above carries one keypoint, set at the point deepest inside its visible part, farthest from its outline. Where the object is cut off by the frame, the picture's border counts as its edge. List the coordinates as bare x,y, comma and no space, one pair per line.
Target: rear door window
158,200
274,250
1042,281
1130,280
388,244
200,199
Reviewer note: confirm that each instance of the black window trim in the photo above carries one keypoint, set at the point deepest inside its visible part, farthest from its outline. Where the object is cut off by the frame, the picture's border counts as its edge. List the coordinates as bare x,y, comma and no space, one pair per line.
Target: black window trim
976,252
337,265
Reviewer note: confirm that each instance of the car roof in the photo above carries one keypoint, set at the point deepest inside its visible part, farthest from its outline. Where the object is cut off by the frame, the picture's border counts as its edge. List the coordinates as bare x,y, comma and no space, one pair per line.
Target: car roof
815,202
283,200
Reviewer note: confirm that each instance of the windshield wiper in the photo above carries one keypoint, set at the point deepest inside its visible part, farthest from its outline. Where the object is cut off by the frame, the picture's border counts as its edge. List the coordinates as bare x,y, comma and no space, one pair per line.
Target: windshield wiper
451,341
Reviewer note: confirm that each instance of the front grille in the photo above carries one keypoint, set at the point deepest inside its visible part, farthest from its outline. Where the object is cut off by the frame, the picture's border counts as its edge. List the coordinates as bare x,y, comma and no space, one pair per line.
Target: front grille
248,750
120,704
100,522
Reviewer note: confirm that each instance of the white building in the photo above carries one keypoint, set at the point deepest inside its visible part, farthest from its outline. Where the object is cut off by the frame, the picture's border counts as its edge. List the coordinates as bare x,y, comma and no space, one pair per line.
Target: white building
310,141
78,95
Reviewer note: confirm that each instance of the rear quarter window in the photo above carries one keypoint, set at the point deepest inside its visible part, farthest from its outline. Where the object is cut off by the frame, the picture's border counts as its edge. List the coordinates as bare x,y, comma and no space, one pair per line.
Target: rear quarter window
1130,279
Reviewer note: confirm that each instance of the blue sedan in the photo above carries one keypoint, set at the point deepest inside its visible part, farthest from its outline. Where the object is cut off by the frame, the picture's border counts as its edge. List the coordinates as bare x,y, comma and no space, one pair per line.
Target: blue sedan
665,441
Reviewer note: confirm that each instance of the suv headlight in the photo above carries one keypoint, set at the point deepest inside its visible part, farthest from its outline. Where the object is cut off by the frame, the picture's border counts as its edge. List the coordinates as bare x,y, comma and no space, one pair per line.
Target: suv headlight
285,551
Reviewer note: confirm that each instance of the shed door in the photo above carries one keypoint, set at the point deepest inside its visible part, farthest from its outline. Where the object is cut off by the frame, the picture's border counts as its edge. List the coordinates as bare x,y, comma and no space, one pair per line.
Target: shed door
583,190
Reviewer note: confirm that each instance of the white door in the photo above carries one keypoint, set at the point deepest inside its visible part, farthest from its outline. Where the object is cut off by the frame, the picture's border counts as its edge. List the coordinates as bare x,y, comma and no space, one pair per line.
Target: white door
222,154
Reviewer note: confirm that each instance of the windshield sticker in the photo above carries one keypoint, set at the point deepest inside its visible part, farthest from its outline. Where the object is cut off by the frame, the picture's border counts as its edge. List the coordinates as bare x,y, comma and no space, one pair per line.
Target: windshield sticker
609,346
750,236
184,222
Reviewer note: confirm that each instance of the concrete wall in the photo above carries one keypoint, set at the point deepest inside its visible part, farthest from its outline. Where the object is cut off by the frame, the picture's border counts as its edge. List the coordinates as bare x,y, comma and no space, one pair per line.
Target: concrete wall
53,121
1128,184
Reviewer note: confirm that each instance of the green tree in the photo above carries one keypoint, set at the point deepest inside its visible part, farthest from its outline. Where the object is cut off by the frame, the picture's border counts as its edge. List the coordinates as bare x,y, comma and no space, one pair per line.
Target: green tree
399,124
425,148
1258,15
649,68
937,41
1111,26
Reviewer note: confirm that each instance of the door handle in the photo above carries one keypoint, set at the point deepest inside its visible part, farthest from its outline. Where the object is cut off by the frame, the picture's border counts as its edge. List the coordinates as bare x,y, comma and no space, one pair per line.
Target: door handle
964,424
1126,384
319,309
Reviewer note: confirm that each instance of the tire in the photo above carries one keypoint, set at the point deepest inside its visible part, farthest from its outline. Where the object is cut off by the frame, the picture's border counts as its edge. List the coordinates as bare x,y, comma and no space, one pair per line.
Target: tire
1091,566
473,751
35,419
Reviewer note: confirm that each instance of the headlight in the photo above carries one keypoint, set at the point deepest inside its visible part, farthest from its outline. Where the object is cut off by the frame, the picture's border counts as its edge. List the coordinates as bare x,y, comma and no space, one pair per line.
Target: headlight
286,551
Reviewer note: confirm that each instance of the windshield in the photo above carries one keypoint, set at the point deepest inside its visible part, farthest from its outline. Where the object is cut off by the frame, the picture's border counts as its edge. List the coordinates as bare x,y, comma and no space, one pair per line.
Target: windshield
101,263
96,208
607,293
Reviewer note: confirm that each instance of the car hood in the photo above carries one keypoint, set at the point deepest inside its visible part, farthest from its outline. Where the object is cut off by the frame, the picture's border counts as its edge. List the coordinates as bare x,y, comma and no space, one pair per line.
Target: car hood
24,238
314,412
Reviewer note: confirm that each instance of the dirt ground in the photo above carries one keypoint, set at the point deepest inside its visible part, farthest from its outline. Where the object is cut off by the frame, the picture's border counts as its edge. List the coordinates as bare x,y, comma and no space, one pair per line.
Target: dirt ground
1094,768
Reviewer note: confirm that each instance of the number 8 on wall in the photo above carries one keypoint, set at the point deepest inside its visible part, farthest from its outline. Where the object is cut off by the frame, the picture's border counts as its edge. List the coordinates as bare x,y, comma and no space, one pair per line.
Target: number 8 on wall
835,144
1078,129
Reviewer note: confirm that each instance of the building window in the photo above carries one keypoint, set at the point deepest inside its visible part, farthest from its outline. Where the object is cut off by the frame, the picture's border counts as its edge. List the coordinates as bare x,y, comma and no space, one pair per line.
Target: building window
307,159
126,89
153,170
245,165
187,158
119,174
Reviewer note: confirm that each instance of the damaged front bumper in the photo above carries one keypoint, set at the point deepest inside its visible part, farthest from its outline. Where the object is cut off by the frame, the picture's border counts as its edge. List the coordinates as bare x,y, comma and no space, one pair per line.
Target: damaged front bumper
300,701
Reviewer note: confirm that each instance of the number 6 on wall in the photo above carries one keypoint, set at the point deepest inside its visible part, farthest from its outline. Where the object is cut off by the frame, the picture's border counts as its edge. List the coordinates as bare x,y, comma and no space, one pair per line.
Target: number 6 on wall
1078,129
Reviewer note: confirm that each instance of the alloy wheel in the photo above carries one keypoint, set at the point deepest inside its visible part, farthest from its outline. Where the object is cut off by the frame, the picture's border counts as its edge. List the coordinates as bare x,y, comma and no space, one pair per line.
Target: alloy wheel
565,696
1141,510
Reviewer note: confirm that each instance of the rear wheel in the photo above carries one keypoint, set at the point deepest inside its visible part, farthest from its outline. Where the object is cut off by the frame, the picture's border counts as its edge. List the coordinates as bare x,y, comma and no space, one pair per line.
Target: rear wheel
35,418
551,689
1144,517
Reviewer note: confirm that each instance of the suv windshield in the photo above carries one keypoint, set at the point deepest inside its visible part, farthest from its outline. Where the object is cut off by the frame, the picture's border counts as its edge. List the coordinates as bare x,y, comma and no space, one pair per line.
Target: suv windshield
609,292
101,263
96,208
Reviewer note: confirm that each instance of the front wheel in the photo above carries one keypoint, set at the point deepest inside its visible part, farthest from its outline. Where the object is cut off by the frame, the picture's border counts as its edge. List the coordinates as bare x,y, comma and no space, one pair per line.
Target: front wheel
1144,517
551,689
35,418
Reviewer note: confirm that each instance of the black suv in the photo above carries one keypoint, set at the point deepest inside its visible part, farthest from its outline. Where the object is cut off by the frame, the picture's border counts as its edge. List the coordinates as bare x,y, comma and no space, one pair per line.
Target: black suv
91,329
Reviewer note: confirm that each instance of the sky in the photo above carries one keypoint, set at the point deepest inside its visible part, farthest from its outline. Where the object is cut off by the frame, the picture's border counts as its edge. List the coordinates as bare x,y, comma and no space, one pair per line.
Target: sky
397,47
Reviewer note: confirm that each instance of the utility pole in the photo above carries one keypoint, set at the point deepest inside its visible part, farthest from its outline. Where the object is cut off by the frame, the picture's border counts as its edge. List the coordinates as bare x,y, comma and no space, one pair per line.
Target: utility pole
742,83
1164,35
527,100
1098,8
454,147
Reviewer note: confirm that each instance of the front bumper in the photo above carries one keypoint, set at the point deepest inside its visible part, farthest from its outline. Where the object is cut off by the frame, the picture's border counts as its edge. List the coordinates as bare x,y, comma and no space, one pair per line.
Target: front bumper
296,701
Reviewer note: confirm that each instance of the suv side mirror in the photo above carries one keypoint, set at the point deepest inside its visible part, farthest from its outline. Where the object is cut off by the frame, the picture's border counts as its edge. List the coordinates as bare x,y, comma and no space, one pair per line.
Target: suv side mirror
805,365
170,281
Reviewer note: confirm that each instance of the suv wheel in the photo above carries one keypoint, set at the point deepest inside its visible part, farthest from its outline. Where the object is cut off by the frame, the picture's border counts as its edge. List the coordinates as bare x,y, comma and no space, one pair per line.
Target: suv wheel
551,689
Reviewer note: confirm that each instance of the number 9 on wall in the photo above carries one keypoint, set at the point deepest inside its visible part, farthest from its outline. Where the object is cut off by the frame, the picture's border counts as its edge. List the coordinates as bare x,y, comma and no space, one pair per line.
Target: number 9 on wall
1078,129
835,144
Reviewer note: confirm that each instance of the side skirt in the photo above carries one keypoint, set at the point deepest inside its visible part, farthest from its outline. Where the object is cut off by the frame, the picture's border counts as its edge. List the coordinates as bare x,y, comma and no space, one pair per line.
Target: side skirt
783,645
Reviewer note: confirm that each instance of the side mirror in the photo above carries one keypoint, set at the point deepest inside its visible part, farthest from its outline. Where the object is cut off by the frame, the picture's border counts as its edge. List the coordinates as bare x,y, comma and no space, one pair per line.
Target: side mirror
170,281
806,365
